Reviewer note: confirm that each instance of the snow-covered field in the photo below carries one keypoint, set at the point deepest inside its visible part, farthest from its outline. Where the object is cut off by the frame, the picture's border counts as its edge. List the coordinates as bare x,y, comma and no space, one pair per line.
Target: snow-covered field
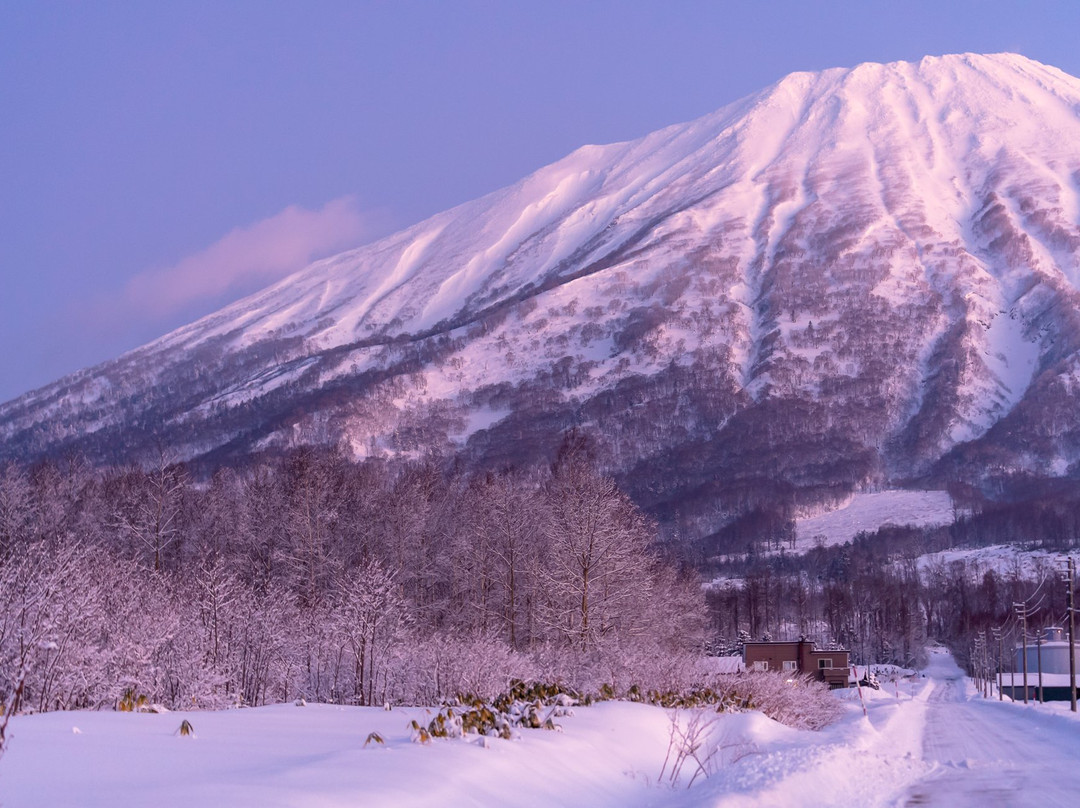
870,511
610,754
924,741
1003,559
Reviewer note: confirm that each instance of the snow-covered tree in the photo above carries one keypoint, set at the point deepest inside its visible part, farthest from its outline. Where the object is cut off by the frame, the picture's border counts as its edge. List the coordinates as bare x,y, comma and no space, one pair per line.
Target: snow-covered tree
15,507
148,511
596,563
370,615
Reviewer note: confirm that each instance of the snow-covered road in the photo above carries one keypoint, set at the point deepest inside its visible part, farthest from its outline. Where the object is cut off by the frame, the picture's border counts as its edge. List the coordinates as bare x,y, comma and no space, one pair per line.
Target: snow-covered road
988,753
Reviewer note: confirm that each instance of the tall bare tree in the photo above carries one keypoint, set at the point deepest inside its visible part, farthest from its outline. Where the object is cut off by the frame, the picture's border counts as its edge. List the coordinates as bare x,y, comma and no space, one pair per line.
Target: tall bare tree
597,561
149,517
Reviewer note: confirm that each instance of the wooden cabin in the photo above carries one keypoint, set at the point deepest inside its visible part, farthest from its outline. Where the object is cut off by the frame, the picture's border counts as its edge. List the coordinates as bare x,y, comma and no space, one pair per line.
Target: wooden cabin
799,657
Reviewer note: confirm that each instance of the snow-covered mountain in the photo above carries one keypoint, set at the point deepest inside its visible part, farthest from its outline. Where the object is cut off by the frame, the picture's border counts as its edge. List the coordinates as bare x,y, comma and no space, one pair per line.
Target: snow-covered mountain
852,276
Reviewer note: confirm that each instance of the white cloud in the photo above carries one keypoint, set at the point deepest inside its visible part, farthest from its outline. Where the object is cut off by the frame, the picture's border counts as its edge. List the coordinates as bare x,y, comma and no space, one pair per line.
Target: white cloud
248,257
154,302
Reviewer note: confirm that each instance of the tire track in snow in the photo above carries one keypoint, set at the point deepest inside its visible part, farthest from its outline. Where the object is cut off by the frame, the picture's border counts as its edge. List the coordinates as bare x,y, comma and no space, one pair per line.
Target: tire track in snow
988,753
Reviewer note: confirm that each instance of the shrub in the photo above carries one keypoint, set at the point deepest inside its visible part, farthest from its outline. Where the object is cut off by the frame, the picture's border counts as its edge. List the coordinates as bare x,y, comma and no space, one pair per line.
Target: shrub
799,702
525,705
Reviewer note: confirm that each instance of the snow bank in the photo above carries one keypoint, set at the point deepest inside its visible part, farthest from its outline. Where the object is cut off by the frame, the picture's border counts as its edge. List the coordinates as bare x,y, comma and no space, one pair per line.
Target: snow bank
315,755
862,760
609,754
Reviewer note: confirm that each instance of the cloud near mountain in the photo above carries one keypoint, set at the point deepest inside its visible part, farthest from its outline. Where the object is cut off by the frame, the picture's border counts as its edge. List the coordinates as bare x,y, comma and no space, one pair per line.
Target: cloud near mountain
254,255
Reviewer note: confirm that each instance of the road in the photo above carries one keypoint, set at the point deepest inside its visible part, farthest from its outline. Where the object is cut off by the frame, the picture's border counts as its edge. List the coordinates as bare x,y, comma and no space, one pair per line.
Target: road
985,753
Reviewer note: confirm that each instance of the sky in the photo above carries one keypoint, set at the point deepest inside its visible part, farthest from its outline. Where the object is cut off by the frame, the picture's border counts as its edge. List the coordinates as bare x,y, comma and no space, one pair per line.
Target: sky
159,160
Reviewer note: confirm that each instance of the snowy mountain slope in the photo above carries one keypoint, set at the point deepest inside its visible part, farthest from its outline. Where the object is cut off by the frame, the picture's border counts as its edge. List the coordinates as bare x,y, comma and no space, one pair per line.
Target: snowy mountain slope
872,511
852,276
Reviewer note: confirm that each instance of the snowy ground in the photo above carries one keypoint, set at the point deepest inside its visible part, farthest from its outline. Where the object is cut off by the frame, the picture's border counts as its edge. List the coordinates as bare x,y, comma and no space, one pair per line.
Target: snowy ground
871,511
928,741
988,752
1004,559
608,755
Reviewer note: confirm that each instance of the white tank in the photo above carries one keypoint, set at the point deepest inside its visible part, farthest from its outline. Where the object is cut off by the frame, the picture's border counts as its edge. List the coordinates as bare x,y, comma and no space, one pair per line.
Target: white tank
1055,653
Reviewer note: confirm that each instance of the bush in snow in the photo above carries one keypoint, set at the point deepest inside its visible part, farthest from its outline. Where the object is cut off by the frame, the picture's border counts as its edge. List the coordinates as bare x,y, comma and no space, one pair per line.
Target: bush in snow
799,702
132,702
870,680
438,668
524,706
699,743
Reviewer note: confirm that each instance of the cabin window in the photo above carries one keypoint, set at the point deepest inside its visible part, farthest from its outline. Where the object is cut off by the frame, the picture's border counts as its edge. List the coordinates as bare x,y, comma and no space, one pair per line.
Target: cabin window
824,663
789,665
761,665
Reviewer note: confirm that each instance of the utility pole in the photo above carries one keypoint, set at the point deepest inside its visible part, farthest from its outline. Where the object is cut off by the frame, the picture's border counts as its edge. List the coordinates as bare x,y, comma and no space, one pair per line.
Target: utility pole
996,631
973,652
1072,642
977,667
1070,581
1012,668
985,665
1022,613
1038,661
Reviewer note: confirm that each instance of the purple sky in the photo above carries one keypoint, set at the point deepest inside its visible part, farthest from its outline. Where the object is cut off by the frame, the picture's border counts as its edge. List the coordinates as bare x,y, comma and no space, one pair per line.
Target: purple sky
158,160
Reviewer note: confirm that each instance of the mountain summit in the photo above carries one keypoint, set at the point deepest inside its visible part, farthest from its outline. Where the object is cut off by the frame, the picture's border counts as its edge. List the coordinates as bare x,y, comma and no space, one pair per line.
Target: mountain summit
852,277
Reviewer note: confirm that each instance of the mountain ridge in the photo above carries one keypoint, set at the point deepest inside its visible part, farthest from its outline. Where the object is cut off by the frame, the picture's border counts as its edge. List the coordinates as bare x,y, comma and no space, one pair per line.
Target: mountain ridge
874,267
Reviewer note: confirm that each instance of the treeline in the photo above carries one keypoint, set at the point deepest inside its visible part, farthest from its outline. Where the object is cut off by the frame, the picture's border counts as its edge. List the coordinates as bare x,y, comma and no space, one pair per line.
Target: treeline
884,596
835,596
309,576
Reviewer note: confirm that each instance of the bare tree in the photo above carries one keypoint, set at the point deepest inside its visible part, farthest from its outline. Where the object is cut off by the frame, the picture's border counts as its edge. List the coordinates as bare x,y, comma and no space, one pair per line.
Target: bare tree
149,517
597,564
369,615
316,579
15,507
509,518
313,507
8,705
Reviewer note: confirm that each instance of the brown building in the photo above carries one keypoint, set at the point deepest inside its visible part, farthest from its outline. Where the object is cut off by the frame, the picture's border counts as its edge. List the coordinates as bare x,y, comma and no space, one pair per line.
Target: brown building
799,656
